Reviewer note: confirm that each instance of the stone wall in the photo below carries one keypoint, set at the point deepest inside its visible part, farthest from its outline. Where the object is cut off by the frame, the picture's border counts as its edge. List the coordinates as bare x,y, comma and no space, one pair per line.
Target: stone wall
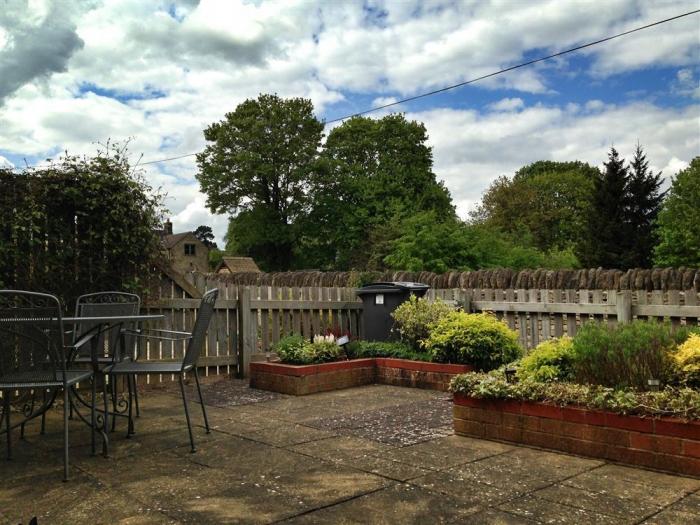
593,279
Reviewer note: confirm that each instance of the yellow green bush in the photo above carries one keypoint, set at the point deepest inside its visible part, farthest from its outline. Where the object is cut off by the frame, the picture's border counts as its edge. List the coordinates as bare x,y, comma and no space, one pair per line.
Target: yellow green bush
480,340
687,360
550,361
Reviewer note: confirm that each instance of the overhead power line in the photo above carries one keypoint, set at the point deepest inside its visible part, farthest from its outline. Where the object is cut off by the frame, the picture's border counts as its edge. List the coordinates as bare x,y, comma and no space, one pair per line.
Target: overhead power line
471,81
501,71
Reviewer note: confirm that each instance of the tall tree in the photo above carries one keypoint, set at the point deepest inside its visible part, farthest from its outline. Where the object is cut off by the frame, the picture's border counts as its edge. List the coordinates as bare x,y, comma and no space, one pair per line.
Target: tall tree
257,166
604,241
679,220
547,200
375,171
205,235
644,202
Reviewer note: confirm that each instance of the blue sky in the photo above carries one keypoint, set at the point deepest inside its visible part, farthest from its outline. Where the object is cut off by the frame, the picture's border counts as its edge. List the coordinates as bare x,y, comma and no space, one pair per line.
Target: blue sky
74,74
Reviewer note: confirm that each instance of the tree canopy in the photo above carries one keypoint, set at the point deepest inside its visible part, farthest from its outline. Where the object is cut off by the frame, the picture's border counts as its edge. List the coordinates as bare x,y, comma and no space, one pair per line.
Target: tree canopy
548,200
375,171
256,166
80,225
679,220
205,235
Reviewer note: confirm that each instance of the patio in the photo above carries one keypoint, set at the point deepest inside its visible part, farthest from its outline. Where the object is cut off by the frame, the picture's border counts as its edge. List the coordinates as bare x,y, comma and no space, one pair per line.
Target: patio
374,454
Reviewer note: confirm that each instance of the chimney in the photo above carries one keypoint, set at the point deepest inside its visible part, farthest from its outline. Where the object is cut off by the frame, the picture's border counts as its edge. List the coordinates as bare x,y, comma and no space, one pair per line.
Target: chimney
168,227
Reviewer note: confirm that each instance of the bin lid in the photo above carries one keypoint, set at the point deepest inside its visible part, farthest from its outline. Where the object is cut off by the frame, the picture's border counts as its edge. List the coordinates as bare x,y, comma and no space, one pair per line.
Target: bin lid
391,287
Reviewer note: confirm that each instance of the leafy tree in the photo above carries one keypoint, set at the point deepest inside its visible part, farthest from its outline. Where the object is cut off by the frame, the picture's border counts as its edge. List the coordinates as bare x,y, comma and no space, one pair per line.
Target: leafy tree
424,244
81,225
256,166
644,198
373,171
215,257
205,235
548,200
679,220
604,240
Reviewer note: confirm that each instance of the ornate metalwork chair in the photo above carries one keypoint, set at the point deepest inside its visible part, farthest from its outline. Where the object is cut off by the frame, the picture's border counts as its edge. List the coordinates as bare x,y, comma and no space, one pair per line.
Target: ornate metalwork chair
188,364
114,345
33,362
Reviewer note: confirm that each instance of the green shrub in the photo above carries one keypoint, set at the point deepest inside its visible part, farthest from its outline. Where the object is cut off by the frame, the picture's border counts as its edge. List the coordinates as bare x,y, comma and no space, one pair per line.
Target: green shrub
414,318
480,340
626,355
550,361
290,349
295,350
679,402
323,352
360,349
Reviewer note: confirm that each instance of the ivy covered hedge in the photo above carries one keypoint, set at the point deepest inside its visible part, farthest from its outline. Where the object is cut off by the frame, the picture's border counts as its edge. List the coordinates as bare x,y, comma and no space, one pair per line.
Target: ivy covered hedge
681,402
79,225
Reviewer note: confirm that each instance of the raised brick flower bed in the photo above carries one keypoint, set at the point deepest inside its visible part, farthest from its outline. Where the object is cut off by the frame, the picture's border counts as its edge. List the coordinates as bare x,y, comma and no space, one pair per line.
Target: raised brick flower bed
308,379
662,443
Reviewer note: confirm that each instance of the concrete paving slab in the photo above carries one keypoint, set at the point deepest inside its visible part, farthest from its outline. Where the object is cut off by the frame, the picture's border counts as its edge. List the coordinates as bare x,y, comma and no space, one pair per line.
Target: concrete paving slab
623,510
298,459
400,504
546,511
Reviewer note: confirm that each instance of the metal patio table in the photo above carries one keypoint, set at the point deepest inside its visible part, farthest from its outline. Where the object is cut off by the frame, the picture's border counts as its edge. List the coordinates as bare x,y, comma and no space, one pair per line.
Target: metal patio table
98,324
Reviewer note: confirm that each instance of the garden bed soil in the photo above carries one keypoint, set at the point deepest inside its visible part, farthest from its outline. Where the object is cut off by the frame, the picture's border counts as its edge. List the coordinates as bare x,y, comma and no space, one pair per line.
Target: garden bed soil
668,444
308,379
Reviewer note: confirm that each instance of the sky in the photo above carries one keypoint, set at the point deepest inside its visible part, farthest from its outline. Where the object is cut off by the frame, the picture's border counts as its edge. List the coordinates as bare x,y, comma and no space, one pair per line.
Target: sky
74,74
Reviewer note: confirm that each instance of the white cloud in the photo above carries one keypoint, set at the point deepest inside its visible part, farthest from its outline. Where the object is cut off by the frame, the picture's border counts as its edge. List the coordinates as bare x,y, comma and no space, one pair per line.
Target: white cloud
5,163
212,55
471,149
686,83
507,104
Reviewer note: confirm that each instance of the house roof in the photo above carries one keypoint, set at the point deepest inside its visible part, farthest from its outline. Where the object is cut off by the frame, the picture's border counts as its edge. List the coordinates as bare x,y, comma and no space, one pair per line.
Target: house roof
171,240
238,264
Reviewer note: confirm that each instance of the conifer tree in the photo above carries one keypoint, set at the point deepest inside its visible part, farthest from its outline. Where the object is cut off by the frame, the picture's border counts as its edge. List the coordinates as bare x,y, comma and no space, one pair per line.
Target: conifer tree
604,240
644,202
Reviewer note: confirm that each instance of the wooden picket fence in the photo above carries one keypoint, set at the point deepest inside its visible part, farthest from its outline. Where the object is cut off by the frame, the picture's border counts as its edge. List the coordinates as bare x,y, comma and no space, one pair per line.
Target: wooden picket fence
250,319
539,315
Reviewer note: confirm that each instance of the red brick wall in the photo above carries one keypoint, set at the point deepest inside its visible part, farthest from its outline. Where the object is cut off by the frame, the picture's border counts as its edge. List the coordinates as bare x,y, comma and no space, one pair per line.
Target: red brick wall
301,380
661,443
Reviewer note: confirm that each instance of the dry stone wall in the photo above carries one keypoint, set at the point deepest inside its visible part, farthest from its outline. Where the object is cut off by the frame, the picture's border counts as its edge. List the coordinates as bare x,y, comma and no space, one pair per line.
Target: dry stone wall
592,279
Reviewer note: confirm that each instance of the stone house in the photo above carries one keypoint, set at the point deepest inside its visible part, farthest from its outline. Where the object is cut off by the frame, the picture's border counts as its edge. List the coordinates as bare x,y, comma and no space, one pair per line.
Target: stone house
184,251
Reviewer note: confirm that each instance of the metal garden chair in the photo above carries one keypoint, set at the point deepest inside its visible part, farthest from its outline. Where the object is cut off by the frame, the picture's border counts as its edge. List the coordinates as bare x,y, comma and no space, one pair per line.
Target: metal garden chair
114,345
188,364
33,361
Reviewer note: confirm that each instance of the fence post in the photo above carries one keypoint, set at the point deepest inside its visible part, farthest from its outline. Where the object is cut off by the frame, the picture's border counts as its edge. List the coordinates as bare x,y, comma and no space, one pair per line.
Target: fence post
245,340
466,300
624,306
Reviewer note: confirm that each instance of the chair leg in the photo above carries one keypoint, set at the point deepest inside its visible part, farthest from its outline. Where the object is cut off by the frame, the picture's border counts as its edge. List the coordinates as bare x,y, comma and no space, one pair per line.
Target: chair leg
43,416
130,426
136,397
66,410
105,428
187,413
201,401
7,425
113,384
93,416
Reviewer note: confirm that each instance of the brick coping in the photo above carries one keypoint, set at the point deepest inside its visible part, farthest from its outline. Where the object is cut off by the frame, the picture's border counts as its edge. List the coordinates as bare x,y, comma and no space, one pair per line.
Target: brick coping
372,362
664,426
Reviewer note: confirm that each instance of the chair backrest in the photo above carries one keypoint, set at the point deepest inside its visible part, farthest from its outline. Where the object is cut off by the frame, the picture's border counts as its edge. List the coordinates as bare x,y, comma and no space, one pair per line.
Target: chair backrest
100,304
204,315
31,335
